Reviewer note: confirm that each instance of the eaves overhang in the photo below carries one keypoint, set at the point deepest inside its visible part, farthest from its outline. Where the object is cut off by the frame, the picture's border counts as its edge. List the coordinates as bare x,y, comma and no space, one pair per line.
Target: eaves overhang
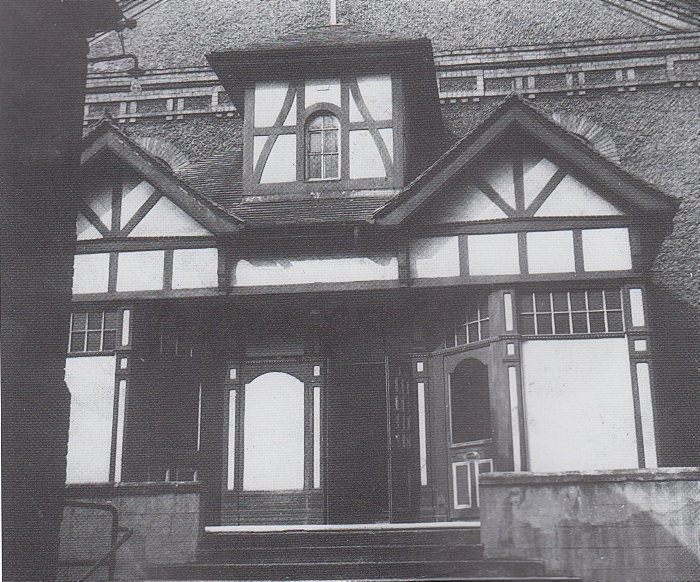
108,138
517,117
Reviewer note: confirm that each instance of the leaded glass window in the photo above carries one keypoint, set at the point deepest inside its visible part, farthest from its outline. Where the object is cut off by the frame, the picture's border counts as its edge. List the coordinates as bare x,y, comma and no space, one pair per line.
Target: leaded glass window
323,148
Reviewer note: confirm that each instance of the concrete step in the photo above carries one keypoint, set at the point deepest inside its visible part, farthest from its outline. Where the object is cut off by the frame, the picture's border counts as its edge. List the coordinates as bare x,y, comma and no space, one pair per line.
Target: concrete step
440,579
403,570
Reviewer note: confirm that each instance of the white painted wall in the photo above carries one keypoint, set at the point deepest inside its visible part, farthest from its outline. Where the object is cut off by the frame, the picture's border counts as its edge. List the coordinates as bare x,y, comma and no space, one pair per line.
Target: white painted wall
303,271
493,254
90,273
195,268
435,257
606,249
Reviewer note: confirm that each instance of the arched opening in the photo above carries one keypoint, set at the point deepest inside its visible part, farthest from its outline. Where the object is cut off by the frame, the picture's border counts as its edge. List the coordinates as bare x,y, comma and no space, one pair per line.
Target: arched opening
470,410
273,457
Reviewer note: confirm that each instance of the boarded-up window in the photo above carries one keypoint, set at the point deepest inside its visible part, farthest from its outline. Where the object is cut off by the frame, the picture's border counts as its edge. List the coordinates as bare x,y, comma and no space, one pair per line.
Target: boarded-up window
274,433
578,405
91,384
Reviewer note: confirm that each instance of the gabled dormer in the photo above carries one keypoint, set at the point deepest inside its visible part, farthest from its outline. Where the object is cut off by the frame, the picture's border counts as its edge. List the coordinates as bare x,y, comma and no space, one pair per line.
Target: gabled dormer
333,108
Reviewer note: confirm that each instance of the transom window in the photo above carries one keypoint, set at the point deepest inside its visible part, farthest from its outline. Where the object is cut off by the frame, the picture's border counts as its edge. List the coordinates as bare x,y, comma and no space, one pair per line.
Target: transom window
322,148
469,325
94,331
570,312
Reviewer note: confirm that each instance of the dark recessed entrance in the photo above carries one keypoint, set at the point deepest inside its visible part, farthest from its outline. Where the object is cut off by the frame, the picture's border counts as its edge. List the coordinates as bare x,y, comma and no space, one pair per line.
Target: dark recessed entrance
358,489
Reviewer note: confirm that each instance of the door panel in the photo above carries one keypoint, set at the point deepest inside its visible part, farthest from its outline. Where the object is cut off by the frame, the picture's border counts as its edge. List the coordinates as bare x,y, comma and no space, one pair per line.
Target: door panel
469,432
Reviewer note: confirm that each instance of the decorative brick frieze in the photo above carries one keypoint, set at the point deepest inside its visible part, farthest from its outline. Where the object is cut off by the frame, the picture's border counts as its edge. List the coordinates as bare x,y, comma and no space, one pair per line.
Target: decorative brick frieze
568,69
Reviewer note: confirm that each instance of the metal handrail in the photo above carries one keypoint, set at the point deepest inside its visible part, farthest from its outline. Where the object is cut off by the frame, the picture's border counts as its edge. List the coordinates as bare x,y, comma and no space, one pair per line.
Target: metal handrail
117,541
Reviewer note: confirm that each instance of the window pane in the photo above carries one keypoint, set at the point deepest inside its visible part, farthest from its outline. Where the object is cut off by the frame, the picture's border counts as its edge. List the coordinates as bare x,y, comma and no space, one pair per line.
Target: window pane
614,321
462,335
613,299
544,324
485,331
469,402
95,320
112,319
580,321
473,332
315,167
449,338
315,143
597,322
542,302
331,166
561,302
526,325
525,303
79,321
316,123
330,121
330,141
578,300
561,323
77,341
595,300
110,340
94,341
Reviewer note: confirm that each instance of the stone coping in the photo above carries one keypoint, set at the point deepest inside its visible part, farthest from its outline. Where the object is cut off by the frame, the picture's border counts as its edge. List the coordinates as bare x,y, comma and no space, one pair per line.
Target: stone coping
573,477
108,490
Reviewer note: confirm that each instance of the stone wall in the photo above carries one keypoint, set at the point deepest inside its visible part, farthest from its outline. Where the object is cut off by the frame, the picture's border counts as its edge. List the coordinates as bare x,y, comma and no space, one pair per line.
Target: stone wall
617,526
164,519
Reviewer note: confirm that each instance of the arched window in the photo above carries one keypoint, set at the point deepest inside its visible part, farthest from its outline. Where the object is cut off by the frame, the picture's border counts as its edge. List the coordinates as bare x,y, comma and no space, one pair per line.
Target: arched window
469,402
323,147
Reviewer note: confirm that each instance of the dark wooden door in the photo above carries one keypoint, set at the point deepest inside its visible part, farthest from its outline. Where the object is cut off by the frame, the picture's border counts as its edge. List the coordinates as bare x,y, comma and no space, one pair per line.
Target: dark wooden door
469,432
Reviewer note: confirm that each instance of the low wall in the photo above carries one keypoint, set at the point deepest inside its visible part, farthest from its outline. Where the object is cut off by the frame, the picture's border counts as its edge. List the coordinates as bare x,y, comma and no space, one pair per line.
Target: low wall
609,526
164,519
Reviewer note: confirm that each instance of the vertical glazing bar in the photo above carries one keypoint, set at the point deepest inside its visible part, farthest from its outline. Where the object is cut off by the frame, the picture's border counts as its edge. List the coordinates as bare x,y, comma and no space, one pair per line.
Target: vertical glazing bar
423,448
647,414
515,417
231,440
317,437
199,418
121,412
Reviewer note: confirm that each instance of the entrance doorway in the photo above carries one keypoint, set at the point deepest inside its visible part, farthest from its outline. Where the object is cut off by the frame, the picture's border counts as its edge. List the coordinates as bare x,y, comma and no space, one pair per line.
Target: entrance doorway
274,443
469,430
358,490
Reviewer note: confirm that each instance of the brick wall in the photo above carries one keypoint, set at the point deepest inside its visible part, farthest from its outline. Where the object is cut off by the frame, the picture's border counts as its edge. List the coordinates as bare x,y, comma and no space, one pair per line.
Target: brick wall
608,526
164,519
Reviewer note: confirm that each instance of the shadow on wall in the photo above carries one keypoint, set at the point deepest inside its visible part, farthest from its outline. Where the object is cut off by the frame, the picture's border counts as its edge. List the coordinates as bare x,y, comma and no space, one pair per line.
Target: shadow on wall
676,345
614,526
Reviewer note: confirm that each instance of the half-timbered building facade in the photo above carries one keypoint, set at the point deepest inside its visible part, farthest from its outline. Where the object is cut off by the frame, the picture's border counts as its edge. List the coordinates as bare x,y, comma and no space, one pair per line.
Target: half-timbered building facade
352,318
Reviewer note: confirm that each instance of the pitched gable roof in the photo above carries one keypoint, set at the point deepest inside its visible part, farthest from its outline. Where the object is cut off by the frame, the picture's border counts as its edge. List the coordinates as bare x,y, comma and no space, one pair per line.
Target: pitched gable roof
515,114
108,137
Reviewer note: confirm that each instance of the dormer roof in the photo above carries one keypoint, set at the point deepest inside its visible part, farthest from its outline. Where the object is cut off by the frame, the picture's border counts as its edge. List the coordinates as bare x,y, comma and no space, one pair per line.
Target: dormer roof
333,50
